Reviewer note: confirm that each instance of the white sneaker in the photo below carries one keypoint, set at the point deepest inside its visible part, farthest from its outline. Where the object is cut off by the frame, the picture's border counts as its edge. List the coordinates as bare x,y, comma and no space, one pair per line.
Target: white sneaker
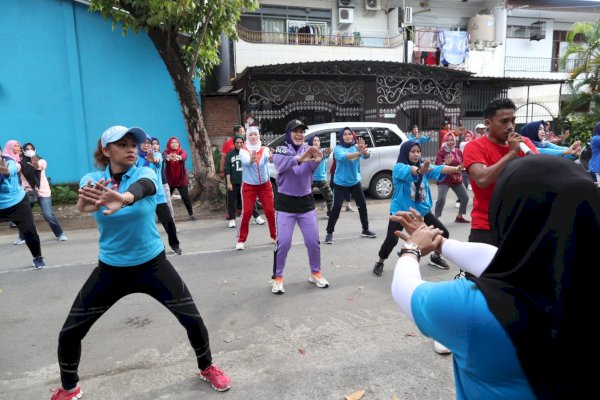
457,204
63,238
239,246
232,223
470,187
277,287
259,221
18,242
318,280
440,348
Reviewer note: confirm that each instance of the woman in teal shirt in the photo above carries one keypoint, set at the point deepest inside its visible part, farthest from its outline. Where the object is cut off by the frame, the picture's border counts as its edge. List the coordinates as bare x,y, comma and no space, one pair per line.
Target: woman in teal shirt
131,258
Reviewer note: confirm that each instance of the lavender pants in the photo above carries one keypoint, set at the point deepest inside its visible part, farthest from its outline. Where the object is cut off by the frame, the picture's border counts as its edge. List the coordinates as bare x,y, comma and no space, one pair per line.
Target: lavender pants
310,231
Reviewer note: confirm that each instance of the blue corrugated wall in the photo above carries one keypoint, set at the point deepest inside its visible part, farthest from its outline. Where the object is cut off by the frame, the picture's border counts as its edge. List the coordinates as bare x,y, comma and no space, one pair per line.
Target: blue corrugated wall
65,76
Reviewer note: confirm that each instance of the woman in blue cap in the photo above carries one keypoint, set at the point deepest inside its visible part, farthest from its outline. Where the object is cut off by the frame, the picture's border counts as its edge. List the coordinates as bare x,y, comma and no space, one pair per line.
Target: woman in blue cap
131,258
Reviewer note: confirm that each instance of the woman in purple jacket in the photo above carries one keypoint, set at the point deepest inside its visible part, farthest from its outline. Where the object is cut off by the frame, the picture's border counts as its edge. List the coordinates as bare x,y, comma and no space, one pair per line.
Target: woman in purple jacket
296,163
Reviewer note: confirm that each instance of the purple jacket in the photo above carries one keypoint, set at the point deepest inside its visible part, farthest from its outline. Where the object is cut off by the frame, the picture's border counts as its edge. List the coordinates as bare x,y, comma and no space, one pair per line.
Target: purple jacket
293,178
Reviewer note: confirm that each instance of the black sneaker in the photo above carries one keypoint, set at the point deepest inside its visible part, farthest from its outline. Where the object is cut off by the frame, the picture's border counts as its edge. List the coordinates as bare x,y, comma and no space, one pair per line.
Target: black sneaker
437,261
38,263
460,275
192,218
329,238
378,269
368,233
177,250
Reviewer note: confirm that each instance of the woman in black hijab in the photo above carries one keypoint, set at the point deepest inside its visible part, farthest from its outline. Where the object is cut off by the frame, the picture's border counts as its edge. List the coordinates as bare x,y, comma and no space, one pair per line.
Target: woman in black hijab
35,183
518,326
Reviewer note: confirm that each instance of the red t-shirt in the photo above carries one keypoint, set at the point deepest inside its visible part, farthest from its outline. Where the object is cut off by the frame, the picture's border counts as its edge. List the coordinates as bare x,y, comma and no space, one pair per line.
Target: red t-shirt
486,152
228,146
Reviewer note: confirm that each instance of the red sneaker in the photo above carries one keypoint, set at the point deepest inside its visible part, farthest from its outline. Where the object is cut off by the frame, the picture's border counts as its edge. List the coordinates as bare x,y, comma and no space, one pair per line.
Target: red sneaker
217,378
62,394
462,220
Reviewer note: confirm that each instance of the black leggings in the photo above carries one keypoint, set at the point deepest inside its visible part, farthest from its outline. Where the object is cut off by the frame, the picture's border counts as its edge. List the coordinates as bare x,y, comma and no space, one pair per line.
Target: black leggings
165,218
22,216
105,286
391,240
185,196
339,194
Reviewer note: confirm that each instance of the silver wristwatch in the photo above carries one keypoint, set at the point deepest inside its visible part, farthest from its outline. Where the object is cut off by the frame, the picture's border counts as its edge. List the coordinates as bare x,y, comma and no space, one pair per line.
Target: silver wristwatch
410,247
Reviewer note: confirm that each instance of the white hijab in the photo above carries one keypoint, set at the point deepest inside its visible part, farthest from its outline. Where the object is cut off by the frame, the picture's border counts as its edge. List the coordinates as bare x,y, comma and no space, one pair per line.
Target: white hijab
250,146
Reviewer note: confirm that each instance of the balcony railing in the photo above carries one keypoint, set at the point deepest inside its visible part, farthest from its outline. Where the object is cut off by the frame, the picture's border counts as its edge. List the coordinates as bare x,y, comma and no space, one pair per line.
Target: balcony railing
534,64
348,39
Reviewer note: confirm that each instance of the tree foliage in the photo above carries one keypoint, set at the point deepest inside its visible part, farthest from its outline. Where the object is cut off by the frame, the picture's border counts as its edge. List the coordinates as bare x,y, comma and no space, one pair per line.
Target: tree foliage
186,34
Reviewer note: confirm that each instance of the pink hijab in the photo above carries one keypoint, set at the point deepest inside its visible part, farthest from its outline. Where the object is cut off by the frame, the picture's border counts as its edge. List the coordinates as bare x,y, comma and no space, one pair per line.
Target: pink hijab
7,150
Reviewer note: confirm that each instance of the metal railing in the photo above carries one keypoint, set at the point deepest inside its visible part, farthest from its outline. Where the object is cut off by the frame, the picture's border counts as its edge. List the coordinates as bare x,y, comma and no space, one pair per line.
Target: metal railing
534,64
347,39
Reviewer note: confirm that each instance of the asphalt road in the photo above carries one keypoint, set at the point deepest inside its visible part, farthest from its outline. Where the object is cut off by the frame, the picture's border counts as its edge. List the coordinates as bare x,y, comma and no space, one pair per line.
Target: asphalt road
309,343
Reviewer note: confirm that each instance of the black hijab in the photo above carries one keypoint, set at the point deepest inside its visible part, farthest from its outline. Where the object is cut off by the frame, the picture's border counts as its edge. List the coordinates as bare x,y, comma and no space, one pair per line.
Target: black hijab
404,158
531,129
31,174
541,285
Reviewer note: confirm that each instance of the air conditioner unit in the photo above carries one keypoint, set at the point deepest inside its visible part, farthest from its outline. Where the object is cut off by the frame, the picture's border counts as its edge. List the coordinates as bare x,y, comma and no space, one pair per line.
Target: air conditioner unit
407,16
345,15
346,3
372,5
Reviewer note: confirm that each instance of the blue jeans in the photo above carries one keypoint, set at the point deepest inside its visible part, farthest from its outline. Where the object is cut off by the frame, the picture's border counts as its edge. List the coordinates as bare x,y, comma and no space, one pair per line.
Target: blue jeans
48,213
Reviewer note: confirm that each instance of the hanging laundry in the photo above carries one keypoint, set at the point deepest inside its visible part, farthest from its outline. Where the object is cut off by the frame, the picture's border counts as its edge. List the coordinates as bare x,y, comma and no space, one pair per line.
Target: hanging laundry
454,46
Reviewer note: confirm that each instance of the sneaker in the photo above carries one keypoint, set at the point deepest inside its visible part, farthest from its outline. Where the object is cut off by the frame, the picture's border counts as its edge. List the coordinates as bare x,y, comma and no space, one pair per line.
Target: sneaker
62,238
232,223
38,263
367,233
462,220
460,275
349,208
470,187
239,246
192,218
318,280
18,242
440,348
378,269
329,238
457,204
62,394
259,221
437,261
277,287
217,378
177,250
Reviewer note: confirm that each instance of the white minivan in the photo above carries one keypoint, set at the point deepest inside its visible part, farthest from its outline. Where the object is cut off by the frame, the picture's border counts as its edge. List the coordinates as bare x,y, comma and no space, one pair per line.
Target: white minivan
383,141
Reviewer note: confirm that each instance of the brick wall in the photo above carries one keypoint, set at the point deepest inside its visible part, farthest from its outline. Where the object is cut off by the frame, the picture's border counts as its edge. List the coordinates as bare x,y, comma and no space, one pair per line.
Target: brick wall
220,114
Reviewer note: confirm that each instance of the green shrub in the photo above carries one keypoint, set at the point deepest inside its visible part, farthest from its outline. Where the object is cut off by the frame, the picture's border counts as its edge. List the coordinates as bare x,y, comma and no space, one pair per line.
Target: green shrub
64,194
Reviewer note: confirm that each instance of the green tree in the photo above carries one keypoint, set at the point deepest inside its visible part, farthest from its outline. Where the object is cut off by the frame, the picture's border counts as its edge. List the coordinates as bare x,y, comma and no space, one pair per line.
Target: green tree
186,34
584,79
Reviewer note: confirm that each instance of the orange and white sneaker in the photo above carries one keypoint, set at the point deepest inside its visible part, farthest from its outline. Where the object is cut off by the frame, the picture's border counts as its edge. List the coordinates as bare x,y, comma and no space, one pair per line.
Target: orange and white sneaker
217,378
277,287
318,280
62,394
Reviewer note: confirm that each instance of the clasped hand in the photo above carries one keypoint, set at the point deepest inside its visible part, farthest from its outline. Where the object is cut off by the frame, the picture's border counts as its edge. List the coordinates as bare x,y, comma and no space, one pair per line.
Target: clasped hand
427,238
313,154
92,197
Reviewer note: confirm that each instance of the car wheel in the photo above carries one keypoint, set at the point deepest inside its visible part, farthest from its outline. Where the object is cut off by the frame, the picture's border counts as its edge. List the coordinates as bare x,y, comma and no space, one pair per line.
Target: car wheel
381,186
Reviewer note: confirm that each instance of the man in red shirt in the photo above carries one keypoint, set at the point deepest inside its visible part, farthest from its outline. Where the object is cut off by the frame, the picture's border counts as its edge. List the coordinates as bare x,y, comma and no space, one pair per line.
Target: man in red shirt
486,157
442,133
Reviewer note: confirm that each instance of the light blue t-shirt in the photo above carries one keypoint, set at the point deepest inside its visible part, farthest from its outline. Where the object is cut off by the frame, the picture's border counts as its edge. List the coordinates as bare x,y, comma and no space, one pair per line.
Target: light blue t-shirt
553,149
161,198
128,237
321,171
347,172
11,192
405,190
421,140
486,366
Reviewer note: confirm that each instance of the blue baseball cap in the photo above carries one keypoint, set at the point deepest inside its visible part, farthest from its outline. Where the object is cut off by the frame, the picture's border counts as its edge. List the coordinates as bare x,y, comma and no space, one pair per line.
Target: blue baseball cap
116,132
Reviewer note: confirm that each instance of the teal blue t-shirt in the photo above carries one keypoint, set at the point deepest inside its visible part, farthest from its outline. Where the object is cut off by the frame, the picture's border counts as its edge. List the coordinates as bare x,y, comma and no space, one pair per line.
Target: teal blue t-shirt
11,192
128,237
486,366
347,172
157,168
405,190
321,171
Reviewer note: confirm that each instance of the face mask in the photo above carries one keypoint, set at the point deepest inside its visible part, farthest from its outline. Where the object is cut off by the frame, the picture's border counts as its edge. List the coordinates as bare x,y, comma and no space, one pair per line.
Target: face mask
29,153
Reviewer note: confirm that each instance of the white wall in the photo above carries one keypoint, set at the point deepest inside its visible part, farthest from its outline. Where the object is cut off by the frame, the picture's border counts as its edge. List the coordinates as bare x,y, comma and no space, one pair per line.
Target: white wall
250,54
530,48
